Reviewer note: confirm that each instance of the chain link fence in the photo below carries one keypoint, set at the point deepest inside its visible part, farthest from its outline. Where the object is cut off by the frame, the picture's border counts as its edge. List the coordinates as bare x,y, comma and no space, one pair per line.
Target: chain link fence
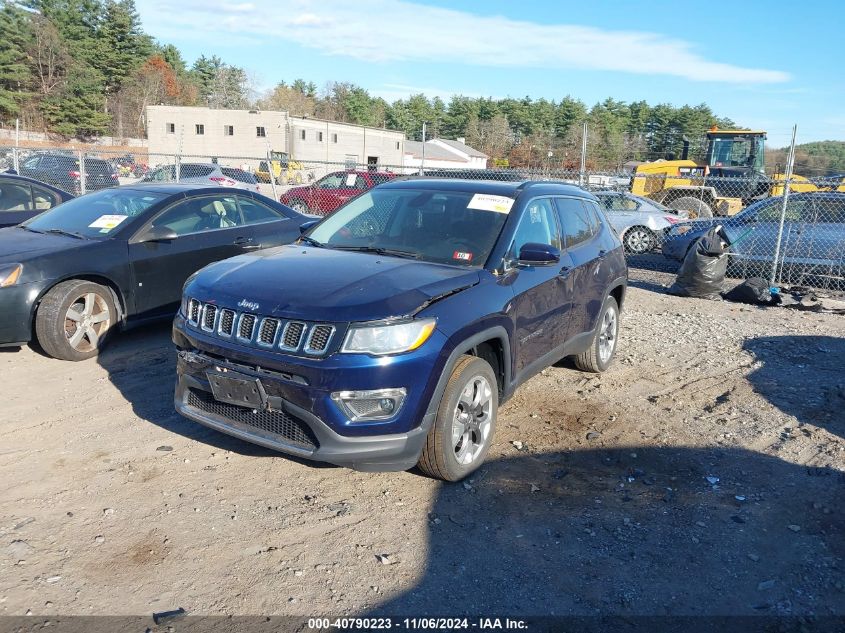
796,239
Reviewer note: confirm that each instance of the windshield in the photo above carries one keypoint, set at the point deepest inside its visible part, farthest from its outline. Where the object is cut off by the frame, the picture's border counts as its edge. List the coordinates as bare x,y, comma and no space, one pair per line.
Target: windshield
737,151
444,227
96,214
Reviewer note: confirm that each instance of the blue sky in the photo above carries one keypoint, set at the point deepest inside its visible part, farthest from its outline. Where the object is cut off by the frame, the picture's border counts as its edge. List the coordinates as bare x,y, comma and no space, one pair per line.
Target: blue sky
762,66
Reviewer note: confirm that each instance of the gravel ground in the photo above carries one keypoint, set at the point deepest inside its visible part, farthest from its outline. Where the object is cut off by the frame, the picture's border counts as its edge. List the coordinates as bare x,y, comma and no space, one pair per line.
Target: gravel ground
702,474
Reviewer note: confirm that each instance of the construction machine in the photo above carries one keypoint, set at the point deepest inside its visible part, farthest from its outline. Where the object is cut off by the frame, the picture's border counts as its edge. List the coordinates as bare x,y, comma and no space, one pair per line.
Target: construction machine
730,177
281,168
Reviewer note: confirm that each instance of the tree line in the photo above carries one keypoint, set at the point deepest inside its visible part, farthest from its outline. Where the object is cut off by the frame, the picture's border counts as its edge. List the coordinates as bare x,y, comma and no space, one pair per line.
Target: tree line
85,68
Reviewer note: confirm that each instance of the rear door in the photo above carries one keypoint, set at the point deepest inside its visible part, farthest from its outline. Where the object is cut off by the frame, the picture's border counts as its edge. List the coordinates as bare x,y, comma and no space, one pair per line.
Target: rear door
209,228
16,204
265,225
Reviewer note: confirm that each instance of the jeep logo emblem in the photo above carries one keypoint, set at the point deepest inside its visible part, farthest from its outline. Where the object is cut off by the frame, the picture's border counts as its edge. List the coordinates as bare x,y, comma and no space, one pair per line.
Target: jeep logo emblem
249,305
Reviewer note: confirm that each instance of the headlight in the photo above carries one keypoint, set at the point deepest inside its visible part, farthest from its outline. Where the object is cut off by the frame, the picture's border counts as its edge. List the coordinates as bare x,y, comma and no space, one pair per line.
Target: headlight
388,339
9,274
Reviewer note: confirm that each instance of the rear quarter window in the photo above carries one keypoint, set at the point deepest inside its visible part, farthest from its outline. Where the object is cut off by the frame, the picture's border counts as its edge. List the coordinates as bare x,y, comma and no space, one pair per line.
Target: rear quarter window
239,174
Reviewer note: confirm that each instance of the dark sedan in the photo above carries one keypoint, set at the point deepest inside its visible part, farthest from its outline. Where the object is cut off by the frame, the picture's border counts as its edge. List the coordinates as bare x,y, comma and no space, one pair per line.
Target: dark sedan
119,257
22,198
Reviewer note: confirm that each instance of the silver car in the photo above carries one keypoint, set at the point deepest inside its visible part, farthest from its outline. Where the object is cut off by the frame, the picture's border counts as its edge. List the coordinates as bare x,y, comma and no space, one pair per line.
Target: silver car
205,173
641,223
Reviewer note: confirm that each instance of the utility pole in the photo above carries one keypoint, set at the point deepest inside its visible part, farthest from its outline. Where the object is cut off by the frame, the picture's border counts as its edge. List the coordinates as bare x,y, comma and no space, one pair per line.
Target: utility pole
422,162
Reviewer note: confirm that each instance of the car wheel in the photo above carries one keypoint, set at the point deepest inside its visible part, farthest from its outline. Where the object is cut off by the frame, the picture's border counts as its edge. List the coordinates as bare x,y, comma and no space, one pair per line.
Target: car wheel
74,319
696,208
463,430
599,355
299,206
638,240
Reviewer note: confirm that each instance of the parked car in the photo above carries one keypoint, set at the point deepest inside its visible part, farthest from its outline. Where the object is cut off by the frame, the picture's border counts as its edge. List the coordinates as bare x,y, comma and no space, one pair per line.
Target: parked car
63,171
640,222
331,191
118,257
813,240
205,174
22,198
391,332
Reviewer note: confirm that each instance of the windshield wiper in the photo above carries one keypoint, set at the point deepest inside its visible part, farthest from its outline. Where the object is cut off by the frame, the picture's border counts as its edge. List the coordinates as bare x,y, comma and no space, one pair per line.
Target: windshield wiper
311,241
26,228
78,236
380,251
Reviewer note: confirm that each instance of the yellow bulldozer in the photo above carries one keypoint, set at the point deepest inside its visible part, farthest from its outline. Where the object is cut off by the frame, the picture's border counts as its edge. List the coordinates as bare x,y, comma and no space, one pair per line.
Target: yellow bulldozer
731,176
281,168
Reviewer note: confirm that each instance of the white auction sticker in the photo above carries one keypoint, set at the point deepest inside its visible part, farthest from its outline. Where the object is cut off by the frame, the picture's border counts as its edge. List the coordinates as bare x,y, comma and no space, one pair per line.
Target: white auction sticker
107,222
350,179
487,202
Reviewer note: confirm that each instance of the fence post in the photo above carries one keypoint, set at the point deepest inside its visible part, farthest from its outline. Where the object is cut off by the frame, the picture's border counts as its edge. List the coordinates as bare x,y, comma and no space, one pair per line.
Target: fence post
583,156
787,176
16,160
83,185
273,176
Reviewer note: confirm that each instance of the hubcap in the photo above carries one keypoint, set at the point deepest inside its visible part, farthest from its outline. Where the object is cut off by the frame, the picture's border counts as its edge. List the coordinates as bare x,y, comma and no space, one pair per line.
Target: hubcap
471,421
86,320
607,337
638,241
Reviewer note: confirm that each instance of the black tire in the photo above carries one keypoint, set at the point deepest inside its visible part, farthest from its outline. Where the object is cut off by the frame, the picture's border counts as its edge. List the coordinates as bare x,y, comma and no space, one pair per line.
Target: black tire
697,208
56,322
638,240
299,206
594,359
441,456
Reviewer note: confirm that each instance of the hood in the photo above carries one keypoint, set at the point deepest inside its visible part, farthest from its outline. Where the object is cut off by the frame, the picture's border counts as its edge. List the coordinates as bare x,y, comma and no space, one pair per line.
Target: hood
318,284
19,245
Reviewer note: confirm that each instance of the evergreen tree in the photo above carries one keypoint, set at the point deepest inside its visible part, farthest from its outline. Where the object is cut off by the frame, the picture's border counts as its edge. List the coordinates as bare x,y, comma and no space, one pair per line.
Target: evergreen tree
15,73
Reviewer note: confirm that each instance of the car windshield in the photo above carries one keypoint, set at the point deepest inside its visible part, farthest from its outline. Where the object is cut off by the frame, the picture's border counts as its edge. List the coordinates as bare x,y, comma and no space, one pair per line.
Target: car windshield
95,215
438,226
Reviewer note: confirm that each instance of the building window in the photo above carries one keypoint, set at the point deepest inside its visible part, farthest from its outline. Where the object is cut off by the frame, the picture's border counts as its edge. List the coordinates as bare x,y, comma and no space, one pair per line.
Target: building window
319,137
334,138
302,134
228,130
171,128
397,144
259,131
200,128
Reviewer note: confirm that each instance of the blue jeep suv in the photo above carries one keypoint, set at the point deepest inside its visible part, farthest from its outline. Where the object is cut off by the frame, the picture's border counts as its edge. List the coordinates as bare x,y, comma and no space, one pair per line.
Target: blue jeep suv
389,334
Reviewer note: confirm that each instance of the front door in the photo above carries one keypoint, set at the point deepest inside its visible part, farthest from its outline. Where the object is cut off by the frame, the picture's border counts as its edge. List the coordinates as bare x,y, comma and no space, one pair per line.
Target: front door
208,229
542,299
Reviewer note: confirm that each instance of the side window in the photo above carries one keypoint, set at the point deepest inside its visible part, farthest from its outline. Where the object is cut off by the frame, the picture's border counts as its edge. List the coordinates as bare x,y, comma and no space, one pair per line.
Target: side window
628,204
254,212
200,214
332,181
575,220
537,225
595,215
15,197
44,199
31,163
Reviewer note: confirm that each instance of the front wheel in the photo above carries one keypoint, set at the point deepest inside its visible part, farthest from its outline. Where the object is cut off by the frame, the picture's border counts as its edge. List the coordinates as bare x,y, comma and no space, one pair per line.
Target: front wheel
74,319
638,240
463,430
299,206
598,356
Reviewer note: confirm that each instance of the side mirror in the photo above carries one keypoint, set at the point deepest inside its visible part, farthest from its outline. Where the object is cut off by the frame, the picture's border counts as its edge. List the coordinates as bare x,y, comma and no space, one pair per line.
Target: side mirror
534,253
158,234
306,225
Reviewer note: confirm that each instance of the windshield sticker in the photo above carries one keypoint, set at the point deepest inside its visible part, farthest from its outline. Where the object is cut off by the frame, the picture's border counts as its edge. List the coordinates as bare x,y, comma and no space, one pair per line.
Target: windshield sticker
107,222
350,180
487,202
462,256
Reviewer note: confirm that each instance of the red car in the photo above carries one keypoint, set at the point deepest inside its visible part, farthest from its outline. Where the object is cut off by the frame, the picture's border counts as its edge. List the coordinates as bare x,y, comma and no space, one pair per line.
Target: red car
332,190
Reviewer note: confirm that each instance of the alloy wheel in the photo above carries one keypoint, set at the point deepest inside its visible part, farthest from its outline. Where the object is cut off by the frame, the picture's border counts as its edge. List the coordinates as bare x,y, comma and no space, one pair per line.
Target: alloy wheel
471,420
86,321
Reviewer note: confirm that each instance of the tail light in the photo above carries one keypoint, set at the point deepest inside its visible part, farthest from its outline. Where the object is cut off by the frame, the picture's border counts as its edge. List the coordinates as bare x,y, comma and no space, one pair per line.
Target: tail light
74,174
671,219
114,176
225,182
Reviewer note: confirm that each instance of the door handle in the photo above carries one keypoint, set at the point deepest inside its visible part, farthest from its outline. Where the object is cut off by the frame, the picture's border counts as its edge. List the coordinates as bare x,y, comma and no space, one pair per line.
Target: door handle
239,241
564,272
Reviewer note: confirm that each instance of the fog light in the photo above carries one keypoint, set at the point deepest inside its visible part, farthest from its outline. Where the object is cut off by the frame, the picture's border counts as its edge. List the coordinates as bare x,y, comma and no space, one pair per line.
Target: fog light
372,404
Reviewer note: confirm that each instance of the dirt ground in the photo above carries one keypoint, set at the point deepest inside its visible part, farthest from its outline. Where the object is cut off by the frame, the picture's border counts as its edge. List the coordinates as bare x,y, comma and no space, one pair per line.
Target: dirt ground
702,474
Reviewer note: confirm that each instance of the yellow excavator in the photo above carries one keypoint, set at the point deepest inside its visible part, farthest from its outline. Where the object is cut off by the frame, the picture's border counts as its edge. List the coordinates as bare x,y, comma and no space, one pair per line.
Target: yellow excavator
281,168
731,176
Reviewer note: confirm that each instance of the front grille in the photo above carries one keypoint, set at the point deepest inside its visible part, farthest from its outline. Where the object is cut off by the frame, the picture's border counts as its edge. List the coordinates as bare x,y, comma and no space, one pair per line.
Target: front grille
209,314
227,322
292,335
296,337
319,339
267,331
194,308
290,429
247,325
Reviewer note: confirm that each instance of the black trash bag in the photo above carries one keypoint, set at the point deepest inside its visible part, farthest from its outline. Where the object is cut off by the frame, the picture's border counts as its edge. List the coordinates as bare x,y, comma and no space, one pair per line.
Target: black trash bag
754,291
703,271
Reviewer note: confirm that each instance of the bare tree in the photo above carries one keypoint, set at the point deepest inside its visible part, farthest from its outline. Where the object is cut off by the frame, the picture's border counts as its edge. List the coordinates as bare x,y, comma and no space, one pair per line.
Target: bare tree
49,55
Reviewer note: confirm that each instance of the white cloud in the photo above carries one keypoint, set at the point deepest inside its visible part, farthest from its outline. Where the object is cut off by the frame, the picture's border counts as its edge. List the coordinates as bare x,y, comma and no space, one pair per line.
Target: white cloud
398,30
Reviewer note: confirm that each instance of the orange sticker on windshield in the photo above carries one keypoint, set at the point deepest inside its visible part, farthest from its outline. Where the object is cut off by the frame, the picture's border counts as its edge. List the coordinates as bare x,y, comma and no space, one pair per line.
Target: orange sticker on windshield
461,256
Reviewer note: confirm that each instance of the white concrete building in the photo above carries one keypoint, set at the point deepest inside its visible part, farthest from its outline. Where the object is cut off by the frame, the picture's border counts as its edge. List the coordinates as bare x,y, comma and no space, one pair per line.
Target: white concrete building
442,154
245,136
